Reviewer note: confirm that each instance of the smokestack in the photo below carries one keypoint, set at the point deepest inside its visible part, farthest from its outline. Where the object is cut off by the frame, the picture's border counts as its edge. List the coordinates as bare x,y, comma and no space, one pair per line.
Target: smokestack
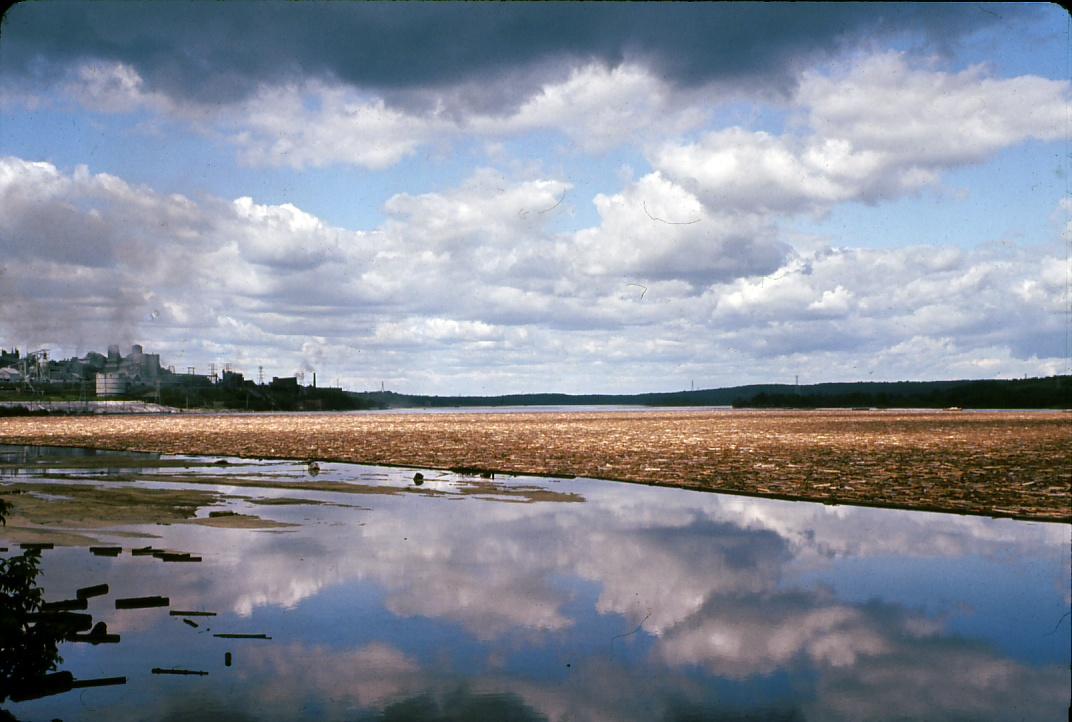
314,379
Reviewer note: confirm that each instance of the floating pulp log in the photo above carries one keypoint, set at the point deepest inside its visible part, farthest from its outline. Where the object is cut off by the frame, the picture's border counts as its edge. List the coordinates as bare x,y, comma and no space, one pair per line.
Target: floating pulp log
45,686
242,636
106,551
96,590
141,602
99,682
191,623
177,557
144,551
94,638
196,672
64,605
37,546
186,613
62,621
97,635
166,556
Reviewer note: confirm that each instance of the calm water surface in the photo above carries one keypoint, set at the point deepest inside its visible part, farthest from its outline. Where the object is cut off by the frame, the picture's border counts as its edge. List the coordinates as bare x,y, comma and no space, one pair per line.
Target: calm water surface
530,599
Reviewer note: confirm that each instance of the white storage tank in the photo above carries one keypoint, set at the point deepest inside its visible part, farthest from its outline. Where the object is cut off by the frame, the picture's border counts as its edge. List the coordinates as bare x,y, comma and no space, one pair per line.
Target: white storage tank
110,385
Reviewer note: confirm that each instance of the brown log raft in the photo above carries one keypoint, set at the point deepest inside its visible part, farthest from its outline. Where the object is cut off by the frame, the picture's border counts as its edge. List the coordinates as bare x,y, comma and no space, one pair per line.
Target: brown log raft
991,463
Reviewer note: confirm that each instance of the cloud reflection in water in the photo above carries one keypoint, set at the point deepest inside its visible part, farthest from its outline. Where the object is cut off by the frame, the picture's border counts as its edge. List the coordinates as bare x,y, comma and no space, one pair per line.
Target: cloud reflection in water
637,604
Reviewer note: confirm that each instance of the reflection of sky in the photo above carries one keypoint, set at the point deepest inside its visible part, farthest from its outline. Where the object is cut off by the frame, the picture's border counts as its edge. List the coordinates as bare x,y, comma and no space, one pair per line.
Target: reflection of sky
964,590
639,603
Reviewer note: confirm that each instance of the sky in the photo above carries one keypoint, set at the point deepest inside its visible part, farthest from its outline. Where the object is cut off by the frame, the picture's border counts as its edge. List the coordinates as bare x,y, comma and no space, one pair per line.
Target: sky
511,198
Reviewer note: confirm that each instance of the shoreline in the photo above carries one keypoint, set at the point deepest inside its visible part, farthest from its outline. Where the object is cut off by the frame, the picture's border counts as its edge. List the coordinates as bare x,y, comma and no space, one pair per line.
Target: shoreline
121,407
999,464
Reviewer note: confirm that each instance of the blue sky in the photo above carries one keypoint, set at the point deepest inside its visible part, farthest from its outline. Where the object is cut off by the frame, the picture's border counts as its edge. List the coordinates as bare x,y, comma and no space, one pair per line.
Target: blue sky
517,198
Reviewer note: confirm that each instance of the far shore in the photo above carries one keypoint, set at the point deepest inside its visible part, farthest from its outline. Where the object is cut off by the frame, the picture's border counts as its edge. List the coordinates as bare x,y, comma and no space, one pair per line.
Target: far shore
1002,464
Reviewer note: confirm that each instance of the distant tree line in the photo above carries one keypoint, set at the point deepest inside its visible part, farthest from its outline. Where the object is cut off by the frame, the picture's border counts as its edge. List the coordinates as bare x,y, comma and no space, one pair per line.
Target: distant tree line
1037,393
1034,393
285,394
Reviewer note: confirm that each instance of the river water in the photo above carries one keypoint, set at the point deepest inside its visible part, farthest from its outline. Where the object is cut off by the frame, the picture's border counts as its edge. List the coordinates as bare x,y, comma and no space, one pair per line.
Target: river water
524,598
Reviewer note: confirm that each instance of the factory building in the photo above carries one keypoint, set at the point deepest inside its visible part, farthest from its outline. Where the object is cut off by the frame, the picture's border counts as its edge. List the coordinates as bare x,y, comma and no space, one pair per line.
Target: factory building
123,373
140,367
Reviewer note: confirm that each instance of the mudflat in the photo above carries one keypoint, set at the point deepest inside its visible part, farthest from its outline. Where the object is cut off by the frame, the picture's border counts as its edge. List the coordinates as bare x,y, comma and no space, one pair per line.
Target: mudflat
992,463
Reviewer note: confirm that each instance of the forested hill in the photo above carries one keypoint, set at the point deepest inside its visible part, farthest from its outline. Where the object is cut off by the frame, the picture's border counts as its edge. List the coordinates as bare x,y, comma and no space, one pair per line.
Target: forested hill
1052,392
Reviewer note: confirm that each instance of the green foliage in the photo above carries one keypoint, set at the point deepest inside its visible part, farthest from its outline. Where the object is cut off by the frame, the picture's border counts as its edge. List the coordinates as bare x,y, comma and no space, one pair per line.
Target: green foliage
28,649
